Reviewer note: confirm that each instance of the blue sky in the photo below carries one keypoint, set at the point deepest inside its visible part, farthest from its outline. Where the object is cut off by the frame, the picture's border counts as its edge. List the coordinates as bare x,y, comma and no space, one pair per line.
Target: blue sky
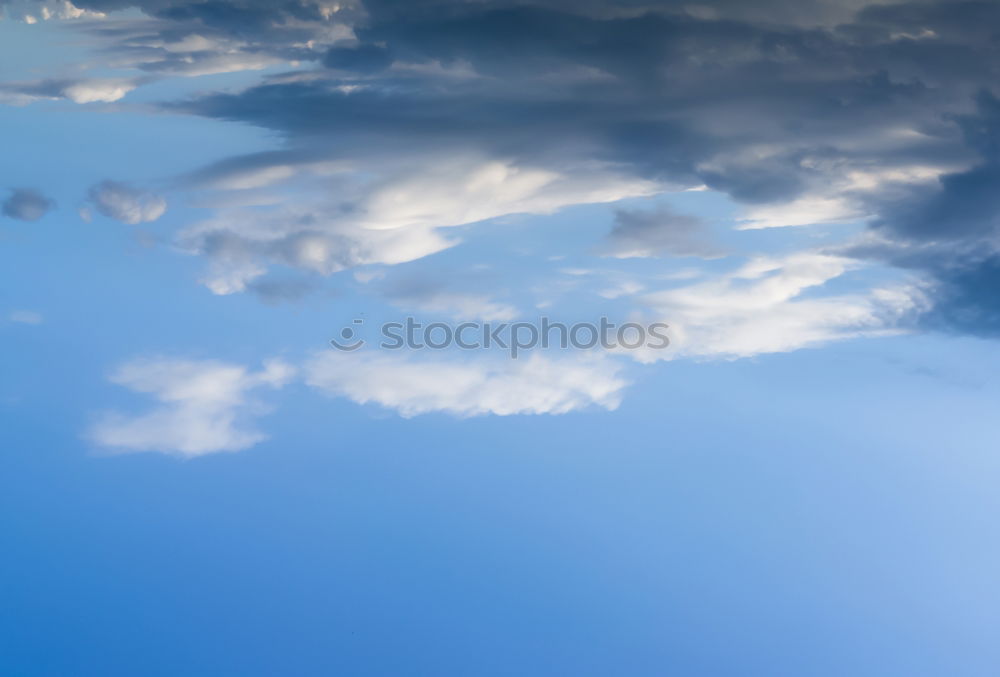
197,197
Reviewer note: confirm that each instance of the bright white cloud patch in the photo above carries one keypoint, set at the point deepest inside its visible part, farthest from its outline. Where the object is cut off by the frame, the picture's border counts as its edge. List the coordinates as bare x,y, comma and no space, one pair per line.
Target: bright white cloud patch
125,203
92,91
467,190
203,406
537,385
393,221
770,305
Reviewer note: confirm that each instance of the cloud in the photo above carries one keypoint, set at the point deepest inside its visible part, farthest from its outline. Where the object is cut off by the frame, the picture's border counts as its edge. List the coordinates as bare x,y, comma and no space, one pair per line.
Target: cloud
31,11
800,125
394,220
775,305
660,232
456,295
207,406
241,243
948,232
26,204
445,113
86,90
458,305
203,406
184,38
90,91
26,317
125,203
537,385
458,191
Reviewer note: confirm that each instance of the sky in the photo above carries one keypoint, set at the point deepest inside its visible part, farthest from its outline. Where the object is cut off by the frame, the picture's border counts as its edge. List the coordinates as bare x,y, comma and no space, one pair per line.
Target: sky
203,202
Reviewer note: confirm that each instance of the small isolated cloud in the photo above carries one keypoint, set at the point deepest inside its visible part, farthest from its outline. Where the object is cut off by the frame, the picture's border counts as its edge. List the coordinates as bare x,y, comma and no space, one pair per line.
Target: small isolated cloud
84,90
203,406
94,91
26,204
125,203
26,317
537,385
661,232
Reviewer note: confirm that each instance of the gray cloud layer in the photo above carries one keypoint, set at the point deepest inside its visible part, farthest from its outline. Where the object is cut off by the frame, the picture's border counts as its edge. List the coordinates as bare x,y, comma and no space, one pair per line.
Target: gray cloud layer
660,232
802,111
887,115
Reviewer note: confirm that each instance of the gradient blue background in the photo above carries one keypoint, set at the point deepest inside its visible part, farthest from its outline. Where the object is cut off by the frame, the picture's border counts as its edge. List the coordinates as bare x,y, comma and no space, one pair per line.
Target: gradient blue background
823,512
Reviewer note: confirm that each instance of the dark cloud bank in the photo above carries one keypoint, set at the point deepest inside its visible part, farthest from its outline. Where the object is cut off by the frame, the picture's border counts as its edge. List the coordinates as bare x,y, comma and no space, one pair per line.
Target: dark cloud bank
770,102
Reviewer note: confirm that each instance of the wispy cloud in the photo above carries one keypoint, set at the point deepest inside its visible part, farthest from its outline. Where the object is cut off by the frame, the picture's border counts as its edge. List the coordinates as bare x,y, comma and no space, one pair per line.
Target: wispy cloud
26,317
202,406
411,386
126,203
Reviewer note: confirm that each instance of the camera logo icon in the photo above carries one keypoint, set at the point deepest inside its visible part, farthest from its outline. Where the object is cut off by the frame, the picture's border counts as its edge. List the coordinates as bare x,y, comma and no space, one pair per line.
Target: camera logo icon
348,342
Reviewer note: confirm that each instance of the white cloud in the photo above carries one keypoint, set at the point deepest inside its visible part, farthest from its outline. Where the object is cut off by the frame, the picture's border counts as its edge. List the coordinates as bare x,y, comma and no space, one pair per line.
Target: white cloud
87,90
202,406
809,210
468,306
467,190
29,11
619,289
26,317
764,308
844,195
394,221
98,90
214,63
537,385
125,203
240,243
456,305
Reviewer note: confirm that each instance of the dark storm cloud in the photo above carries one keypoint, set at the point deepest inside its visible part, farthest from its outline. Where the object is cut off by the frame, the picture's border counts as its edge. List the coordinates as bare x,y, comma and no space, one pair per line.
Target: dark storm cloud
236,17
770,101
26,204
669,96
358,58
966,204
951,233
